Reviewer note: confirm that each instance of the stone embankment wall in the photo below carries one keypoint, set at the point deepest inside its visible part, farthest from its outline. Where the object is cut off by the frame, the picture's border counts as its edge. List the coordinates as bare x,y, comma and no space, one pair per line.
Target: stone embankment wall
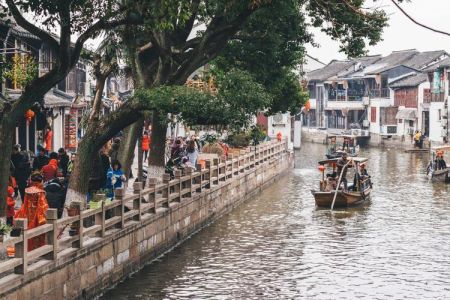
161,216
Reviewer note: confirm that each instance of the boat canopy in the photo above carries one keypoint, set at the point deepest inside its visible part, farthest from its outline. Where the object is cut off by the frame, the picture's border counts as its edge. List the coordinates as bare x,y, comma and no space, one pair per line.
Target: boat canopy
334,160
443,148
341,136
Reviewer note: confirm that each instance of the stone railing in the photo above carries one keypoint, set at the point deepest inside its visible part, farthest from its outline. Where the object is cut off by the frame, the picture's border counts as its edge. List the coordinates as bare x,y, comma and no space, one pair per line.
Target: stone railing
90,225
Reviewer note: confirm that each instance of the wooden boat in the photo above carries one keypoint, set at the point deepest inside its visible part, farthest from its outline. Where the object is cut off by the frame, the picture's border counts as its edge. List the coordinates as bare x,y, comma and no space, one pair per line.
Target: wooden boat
349,146
354,196
437,169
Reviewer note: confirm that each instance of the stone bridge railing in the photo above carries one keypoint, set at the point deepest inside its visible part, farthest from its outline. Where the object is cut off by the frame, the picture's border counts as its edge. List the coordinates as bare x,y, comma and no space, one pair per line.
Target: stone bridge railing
143,204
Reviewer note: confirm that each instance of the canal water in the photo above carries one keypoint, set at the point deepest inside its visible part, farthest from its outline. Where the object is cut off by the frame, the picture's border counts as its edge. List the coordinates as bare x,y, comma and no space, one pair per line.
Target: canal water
280,246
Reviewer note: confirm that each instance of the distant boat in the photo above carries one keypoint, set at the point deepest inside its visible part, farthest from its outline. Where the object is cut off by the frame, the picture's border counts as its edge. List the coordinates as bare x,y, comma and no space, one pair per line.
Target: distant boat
437,169
355,195
349,146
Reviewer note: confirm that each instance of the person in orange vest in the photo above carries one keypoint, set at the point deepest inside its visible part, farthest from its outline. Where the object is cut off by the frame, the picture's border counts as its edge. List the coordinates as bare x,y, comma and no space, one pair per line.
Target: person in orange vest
279,136
48,138
145,142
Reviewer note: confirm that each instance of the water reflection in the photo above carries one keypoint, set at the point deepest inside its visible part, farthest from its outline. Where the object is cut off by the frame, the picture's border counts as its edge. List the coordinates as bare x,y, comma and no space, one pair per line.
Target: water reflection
280,246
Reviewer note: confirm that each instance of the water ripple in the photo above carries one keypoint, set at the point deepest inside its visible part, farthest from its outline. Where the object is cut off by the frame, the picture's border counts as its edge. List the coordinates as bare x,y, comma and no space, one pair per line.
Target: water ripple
280,246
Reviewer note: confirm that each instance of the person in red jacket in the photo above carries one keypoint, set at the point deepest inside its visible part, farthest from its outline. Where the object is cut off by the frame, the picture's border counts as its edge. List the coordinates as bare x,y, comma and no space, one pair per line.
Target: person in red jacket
145,142
10,206
50,170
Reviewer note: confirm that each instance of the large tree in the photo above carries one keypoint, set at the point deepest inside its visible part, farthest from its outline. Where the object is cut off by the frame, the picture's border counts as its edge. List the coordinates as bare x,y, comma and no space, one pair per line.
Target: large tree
83,19
166,55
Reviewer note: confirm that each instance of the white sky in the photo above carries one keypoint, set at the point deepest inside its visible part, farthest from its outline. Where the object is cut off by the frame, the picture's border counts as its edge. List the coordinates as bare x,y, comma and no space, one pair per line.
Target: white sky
401,33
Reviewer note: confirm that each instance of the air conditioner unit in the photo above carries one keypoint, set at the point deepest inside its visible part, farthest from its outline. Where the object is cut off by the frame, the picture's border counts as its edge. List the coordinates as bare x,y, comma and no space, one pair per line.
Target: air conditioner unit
366,123
278,119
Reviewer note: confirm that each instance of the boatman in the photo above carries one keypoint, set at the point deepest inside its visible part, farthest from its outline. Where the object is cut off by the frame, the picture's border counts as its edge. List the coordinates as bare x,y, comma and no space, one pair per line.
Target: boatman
342,166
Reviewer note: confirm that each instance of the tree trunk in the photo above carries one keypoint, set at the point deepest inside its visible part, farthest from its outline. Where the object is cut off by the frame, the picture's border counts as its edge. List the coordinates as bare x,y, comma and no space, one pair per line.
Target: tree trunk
128,146
158,144
6,141
83,170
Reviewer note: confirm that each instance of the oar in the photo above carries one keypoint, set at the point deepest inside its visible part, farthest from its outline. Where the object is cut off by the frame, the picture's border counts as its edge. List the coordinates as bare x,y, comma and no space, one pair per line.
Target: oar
339,183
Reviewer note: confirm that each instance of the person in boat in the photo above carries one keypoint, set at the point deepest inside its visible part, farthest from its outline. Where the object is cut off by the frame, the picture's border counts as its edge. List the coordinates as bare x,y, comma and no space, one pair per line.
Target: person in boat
331,182
360,179
342,166
440,162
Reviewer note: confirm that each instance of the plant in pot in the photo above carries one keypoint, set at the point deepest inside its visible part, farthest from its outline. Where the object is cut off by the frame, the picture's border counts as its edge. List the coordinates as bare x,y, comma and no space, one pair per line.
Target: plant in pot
212,145
4,229
97,199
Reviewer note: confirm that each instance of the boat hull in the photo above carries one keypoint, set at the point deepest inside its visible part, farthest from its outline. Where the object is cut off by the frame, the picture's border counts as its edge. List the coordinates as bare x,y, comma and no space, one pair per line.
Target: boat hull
343,199
441,175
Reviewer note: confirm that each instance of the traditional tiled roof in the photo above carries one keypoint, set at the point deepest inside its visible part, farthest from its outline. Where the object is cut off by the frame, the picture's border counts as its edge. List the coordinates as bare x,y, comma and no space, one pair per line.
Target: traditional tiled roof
57,98
410,81
392,60
332,69
424,59
441,64
360,65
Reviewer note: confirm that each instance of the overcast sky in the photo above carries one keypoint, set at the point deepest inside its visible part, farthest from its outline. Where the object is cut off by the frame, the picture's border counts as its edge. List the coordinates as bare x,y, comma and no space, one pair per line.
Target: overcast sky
401,33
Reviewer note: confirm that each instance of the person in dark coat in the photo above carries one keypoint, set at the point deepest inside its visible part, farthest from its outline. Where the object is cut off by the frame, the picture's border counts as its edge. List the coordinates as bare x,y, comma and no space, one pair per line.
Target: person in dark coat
40,160
105,165
21,168
63,161
55,195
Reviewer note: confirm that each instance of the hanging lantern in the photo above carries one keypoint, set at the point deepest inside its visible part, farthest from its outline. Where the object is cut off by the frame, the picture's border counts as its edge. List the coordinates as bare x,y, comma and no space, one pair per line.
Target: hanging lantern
321,168
29,115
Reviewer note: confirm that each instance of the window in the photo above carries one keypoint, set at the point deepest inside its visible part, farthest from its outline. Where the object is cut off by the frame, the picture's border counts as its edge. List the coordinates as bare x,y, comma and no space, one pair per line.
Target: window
373,114
411,123
400,121
439,114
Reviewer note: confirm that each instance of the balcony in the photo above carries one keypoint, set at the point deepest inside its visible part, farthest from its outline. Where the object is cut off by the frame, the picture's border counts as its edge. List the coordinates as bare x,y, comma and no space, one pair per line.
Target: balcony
438,97
380,93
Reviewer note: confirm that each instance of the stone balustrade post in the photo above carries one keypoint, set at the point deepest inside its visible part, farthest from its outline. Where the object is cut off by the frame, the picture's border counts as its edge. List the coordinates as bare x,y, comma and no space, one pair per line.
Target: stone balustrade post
52,237
21,248
137,203
152,181
166,190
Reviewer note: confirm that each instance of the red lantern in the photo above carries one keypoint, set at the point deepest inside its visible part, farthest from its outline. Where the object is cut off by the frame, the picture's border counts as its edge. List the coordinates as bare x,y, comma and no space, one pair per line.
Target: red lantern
321,168
29,115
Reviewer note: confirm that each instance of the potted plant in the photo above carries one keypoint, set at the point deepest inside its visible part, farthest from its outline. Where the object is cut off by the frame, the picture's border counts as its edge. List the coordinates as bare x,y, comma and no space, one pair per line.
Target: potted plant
4,229
97,199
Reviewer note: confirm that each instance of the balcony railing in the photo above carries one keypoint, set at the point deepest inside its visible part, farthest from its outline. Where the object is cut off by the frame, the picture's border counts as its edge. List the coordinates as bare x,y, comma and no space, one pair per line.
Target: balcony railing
380,93
438,97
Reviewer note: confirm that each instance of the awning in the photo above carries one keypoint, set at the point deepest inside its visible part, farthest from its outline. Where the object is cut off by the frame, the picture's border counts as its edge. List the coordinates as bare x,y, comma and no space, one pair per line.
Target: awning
406,114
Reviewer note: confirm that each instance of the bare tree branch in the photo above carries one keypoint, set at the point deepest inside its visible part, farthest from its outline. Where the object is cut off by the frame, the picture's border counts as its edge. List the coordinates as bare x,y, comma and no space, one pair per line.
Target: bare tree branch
418,23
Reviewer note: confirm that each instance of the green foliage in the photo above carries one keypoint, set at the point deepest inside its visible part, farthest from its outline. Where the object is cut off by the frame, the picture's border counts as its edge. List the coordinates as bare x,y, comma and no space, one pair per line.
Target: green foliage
239,98
239,139
22,70
4,228
257,134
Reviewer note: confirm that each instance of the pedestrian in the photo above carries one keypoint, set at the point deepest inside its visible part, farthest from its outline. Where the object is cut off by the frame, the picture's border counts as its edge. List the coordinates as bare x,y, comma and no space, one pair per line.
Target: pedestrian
50,170
10,203
114,178
33,209
55,194
41,159
342,166
48,138
63,161
192,153
145,143
104,158
21,168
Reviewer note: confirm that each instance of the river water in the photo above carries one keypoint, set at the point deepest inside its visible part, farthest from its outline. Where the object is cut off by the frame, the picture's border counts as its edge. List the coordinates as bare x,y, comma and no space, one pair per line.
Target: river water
280,246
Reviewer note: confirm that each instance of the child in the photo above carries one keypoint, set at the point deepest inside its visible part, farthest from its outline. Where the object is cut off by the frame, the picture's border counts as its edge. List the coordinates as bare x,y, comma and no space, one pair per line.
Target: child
10,203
